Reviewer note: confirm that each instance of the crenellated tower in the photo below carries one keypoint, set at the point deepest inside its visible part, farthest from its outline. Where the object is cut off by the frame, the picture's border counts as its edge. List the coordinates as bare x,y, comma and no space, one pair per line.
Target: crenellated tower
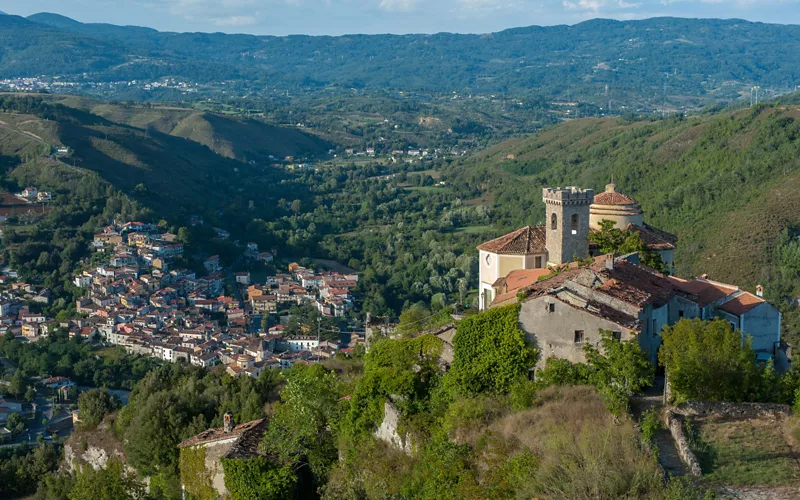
567,225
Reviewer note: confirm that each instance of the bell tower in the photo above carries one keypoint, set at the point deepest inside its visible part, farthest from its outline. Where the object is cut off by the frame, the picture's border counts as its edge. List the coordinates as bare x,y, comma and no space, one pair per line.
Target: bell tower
567,224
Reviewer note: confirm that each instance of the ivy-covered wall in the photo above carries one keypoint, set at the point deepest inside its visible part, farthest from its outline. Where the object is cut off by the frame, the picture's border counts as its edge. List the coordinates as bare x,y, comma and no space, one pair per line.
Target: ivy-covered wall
194,476
257,478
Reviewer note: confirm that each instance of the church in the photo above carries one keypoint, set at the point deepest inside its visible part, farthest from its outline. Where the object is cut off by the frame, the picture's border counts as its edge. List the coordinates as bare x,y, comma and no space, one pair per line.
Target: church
562,311
572,213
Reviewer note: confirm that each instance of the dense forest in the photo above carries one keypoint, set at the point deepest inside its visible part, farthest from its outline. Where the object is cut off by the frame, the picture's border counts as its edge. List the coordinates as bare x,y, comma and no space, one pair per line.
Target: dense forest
632,57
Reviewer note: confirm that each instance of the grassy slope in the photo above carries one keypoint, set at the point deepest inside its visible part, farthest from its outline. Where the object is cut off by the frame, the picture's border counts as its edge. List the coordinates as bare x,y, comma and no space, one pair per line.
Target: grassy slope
127,156
725,183
227,136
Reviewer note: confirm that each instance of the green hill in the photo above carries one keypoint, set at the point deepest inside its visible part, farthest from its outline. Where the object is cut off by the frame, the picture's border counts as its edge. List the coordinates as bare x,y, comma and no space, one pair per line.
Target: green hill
726,183
718,58
231,137
174,175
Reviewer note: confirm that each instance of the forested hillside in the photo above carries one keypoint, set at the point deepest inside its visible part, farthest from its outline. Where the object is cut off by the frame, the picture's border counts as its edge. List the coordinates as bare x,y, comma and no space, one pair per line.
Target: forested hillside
632,57
726,182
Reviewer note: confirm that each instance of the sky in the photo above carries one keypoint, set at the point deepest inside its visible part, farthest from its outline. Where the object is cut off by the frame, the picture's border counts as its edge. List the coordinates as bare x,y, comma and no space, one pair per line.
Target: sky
336,17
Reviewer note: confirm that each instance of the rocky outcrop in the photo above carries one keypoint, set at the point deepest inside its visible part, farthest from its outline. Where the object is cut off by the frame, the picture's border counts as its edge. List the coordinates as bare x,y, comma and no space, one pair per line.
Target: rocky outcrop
93,448
388,431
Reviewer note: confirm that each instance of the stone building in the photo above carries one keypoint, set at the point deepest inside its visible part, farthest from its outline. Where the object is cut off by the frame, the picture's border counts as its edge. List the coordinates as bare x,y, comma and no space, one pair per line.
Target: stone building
571,215
229,441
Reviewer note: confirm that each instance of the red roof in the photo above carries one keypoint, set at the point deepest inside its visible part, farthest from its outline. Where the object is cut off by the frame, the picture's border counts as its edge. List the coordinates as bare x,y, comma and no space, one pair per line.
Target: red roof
707,291
524,241
741,304
612,197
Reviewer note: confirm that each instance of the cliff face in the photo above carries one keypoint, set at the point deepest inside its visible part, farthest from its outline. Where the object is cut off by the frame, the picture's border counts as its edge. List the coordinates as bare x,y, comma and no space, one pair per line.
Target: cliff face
92,447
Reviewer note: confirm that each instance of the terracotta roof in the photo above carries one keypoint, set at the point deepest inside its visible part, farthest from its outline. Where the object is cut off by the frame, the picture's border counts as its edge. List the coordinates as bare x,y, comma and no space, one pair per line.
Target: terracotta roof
636,285
741,304
541,286
707,292
217,434
527,240
520,277
613,198
654,238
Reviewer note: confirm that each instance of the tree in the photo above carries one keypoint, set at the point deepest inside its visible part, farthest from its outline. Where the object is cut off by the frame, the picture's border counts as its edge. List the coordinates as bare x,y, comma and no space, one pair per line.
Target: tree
617,241
297,206
95,404
30,394
300,427
18,384
490,352
110,483
620,370
15,423
708,360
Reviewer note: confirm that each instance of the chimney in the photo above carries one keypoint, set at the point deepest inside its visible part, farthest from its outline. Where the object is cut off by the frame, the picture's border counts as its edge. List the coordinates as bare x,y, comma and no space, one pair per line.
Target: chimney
760,291
704,276
609,263
227,426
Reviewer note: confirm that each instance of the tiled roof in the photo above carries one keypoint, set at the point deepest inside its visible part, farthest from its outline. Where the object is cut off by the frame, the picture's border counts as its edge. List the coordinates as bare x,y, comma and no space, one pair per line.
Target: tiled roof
636,285
524,241
613,198
707,292
654,238
741,304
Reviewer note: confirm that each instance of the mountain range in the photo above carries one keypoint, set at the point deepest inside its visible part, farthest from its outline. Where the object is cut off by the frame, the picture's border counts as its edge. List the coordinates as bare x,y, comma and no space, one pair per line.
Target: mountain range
604,59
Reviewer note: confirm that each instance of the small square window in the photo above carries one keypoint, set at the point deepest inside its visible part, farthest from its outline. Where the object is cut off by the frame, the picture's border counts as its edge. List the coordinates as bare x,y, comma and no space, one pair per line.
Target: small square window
616,335
551,307
680,313
579,336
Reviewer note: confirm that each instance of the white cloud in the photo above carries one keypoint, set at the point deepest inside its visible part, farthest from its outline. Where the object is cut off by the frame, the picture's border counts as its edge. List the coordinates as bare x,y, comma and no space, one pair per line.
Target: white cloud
399,5
585,5
235,21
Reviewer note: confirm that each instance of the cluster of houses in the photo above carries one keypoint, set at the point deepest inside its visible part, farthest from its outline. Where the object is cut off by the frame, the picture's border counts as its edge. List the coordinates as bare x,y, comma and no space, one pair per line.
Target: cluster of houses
16,315
32,194
329,292
140,300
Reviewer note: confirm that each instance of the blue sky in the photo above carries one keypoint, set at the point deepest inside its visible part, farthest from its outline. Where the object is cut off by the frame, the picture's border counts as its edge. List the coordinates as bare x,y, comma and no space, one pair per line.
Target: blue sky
335,17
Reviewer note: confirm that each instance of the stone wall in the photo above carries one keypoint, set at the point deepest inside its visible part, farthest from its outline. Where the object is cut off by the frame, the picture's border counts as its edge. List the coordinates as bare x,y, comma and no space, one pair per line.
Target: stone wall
733,410
674,423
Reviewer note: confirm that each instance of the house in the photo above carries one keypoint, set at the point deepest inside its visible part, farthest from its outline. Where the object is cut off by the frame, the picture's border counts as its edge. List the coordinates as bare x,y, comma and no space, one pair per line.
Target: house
227,442
264,304
30,193
265,257
302,343
44,196
212,264
571,215
30,330
746,312
242,278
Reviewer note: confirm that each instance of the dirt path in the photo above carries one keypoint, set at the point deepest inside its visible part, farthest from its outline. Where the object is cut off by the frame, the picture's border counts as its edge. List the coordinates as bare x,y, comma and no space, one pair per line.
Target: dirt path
668,456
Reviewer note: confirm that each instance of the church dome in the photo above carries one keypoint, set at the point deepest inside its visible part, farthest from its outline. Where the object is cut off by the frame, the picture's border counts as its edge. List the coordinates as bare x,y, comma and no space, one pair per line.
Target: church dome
617,207
612,198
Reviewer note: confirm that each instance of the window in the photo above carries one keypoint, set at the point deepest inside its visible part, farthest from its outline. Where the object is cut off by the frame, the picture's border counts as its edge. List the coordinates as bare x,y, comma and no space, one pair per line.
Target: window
579,336
574,223
733,325
616,335
680,313
538,264
551,307
554,222
488,259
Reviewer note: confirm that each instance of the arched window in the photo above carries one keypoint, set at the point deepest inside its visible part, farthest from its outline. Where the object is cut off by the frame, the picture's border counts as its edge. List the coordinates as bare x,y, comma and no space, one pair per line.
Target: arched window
554,222
574,223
